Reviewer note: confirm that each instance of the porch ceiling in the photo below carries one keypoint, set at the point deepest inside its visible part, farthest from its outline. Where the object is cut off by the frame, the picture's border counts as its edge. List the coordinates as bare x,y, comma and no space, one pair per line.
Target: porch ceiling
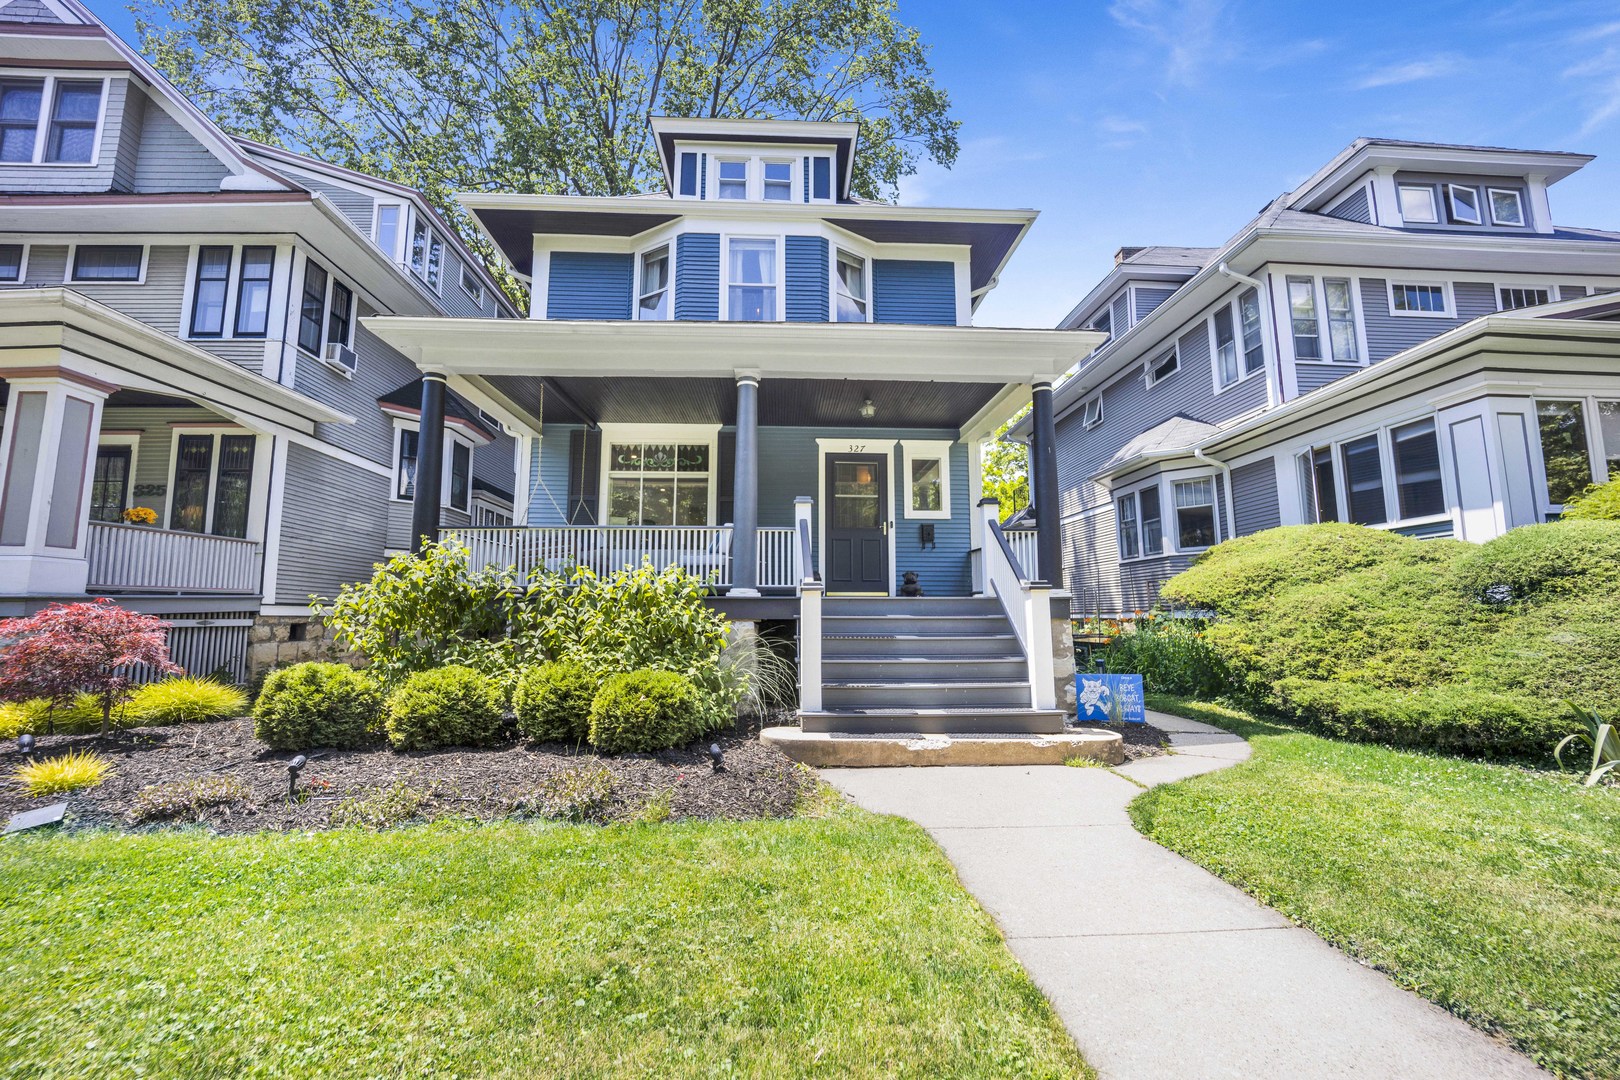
782,402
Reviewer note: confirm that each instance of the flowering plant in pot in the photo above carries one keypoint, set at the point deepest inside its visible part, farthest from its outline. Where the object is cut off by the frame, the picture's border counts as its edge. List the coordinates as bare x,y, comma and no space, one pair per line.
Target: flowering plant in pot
140,515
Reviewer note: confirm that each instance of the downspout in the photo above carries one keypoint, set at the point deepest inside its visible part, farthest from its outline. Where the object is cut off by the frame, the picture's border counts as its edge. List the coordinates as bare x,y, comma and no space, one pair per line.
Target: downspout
1273,393
1226,470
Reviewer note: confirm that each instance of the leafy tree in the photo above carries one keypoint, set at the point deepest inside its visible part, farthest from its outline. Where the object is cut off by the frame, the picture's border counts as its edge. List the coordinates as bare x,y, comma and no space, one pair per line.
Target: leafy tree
1006,471
550,96
69,649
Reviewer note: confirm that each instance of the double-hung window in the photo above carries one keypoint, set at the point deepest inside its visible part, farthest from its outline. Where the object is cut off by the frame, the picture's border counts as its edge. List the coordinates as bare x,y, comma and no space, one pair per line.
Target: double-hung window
1306,309
72,134
653,293
1515,297
253,292
69,126
849,283
1226,348
312,309
1254,354
460,476
427,253
208,291
1418,489
389,216
405,474
659,483
1341,320
1152,521
213,481
20,100
472,286
1195,513
108,262
1364,481
1128,528
733,179
751,281
340,318
1302,310
779,181
11,262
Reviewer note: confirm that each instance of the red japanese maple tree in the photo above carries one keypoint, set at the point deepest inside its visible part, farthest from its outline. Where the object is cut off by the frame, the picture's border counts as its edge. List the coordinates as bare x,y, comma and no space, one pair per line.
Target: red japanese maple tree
69,649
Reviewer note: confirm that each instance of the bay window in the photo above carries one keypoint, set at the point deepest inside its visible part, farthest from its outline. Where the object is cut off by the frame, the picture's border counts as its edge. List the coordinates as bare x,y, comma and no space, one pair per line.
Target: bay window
751,281
1320,485
208,291
653,292
1152,521
456,489
1364,481
1195,513
1418,490
460,477
659,483
253,292
1128,534
850,286
1565,456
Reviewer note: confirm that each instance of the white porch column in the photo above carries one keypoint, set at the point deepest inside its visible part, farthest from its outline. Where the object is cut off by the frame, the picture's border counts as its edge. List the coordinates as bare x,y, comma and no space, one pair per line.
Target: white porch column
46,455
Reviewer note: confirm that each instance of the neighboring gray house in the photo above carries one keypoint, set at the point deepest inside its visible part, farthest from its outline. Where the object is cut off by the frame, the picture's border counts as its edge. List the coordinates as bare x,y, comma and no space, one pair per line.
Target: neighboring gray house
1345,356
181,329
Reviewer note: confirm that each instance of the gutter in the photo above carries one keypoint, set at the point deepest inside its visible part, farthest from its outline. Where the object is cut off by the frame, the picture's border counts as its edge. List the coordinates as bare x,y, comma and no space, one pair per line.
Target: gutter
1226,470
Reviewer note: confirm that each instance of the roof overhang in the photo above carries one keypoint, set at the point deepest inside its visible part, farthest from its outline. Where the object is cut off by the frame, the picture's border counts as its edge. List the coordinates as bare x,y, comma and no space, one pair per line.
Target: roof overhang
563,349
1091,303
39,326
841,136
512,221
1365,155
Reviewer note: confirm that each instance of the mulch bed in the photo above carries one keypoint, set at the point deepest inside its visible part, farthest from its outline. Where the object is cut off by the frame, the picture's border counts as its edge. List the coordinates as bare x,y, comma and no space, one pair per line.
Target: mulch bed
483,783
1141,740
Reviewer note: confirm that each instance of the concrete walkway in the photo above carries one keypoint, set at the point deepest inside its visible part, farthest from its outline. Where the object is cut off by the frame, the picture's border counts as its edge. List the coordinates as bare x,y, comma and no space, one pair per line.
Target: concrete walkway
1158,968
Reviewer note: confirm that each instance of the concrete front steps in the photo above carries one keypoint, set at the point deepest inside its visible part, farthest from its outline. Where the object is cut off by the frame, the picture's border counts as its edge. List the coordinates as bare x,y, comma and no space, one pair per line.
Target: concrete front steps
939,680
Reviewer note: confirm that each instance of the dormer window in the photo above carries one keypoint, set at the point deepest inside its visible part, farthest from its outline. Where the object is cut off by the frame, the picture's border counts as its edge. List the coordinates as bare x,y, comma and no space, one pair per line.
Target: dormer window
653,296
1507,208
850,288
779,181
733,179
687,181
1463,203
427,254
1417,205
70,122
821,178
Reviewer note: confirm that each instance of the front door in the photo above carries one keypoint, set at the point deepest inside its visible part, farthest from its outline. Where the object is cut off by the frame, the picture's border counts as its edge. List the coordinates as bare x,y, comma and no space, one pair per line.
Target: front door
857,498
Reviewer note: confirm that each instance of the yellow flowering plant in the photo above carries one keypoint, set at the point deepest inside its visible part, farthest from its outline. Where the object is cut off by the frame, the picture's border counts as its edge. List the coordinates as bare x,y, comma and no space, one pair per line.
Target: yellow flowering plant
140,515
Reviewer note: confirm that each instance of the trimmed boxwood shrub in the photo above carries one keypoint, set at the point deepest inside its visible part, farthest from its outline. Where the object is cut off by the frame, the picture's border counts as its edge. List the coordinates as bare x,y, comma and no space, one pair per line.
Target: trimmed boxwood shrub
314,704
553,702
644,711
448,706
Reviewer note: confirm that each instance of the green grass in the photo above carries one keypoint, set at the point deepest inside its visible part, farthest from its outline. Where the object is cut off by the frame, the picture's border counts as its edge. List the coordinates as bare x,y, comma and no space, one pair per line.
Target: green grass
838,946
1491,890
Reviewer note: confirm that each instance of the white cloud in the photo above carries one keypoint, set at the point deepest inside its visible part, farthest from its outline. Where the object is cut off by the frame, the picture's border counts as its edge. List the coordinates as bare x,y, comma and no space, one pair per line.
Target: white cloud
1187,31
1120,125
1412,71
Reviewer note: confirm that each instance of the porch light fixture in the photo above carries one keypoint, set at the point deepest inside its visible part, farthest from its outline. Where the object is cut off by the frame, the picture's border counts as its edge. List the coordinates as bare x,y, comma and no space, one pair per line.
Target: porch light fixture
868,410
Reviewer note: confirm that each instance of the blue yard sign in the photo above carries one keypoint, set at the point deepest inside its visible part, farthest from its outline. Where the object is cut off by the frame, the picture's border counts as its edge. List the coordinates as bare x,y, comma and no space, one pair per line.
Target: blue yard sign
1110,699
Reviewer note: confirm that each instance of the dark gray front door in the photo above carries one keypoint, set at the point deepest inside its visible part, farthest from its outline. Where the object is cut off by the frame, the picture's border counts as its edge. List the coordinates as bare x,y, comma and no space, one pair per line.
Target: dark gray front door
857,495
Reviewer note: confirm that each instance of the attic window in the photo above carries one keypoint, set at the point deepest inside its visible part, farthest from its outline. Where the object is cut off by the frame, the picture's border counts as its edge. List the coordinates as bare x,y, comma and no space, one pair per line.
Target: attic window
1104,322
734,179
472,286
689,173
779,181
1094,412
1464,205
1506,206
1417,205
821,178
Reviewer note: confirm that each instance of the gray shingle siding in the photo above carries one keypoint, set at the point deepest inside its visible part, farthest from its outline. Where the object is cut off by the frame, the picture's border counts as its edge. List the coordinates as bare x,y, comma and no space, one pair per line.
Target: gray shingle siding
697,276
1254,497
27,11
1356,208
809,279
589,285
913,291
158,301
332,530
170,159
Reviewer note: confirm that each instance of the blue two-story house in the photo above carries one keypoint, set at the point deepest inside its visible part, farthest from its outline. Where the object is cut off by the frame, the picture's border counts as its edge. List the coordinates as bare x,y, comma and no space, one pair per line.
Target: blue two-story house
777,385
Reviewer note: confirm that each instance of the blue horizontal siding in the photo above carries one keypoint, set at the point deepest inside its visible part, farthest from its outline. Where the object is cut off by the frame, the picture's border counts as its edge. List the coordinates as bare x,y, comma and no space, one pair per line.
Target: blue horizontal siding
697,276
808,279
589,285
914,291
548,475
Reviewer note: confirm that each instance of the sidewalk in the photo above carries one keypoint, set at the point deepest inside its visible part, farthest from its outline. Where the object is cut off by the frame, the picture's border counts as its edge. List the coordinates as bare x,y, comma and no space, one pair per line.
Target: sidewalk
1158,968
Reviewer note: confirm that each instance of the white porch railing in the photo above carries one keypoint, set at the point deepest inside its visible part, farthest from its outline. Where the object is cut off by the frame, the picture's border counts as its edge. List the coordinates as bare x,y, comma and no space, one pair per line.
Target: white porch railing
702,550
130,557
1028,607
1025,545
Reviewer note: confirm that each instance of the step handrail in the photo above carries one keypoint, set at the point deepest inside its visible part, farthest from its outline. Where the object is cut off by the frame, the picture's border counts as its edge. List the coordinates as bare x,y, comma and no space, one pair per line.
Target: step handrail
1027,603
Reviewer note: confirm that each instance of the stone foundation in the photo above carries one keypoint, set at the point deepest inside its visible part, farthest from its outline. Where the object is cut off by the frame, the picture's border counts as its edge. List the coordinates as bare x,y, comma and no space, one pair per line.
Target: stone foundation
279,640
1063,666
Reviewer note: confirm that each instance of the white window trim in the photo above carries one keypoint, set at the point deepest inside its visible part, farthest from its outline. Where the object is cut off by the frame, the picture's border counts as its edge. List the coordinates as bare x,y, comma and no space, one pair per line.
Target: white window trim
259,483
451,436
1284,313
669,285
1550,288
295,319
476,293
876,447
47,105
22,266
1453,217
1135,492
725,273
1135,530
1518,198
1596,459
1434,203
749,177
233,288
836,287
1087,420
416,216
924,450
795,180
832,177
72,256
1168,510
1236,309
1175,358
399,256
691,434
1446,290
131,441
1386,463
754,159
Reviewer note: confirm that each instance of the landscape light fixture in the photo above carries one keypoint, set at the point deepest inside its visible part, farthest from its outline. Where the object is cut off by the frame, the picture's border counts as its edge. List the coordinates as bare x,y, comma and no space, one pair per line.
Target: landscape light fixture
25,744
715,759
1102,664
293,768
868,410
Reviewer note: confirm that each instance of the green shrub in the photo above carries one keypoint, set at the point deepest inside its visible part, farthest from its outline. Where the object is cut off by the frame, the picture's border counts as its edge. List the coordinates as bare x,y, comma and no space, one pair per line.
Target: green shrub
448,706
1600,502
553,702
1541,561
184,700
645,710
1171,655
188,798
313,704
81,717
63,773
1457,719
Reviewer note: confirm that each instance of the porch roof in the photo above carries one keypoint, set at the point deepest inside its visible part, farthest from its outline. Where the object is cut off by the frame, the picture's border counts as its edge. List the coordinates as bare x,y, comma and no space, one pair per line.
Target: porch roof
50,327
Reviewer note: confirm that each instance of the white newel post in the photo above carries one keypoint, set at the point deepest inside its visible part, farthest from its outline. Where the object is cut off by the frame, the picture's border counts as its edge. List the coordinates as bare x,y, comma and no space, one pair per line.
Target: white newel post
810,590
46,457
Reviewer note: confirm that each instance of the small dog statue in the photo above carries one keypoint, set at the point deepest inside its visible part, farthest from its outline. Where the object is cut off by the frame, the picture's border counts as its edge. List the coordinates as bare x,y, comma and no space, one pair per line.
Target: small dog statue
908,584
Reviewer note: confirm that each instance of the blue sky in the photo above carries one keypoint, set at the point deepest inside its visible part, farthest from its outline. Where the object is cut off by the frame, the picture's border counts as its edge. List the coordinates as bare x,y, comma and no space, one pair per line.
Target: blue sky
1174,121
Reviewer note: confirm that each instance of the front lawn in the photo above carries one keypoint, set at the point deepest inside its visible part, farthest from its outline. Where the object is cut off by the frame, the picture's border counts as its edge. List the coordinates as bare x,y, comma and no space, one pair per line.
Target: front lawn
833,946
1492,890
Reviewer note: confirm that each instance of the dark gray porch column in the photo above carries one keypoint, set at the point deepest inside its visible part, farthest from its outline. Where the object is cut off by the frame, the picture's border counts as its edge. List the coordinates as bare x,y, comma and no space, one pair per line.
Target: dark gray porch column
1043,486
429,462
745,491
